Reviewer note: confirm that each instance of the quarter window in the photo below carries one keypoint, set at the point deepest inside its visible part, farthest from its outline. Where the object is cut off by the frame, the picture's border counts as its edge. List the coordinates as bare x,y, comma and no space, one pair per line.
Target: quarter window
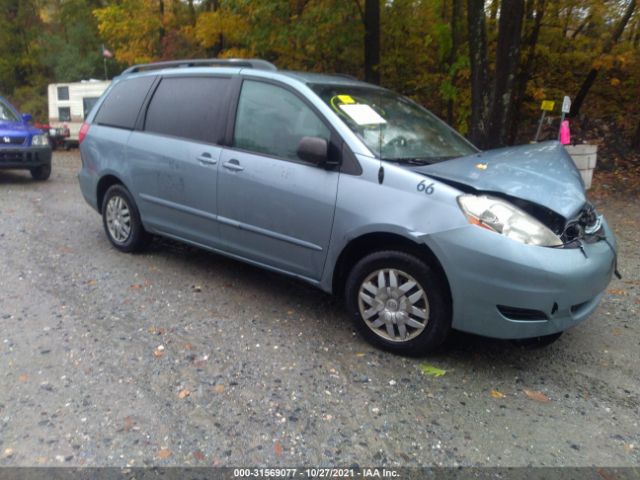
272,120
121,107
87,105
189,107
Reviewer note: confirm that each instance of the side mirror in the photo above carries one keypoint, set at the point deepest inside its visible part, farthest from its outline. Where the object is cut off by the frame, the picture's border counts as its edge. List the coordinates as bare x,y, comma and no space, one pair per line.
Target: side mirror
313,150
26,117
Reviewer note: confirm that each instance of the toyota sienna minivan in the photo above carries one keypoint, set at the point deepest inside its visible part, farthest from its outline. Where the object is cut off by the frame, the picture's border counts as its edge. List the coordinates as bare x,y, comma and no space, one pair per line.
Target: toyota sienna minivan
351,188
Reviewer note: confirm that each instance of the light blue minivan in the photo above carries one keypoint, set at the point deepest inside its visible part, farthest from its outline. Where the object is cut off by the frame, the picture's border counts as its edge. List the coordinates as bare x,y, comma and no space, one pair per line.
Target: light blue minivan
354,189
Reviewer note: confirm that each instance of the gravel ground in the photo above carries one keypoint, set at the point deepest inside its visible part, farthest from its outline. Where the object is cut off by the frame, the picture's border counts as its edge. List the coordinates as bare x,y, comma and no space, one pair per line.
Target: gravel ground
181,357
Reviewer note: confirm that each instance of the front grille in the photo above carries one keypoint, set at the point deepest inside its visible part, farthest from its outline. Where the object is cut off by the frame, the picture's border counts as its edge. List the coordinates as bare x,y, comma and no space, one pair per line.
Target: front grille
17,156
515,313
6,140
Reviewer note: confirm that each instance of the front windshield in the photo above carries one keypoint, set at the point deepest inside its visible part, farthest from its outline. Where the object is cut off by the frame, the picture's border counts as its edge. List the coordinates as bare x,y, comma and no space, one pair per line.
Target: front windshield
6,113
394,127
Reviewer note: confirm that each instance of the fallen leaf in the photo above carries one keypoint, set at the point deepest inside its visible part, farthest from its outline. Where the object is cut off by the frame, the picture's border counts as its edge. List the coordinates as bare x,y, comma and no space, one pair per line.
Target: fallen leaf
92,282
628,447
199,455
496,394
537,396
277,447
188,346
360,354
184,393
128,423
217,388
616,291
431,370
164,453
24,377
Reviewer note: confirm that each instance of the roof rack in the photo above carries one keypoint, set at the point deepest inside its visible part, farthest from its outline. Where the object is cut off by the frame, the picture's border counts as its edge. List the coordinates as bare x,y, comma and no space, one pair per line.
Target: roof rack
203,62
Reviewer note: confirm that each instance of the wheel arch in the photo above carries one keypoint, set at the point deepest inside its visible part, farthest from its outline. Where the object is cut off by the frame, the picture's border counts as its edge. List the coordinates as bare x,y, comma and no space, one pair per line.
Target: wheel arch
369,243
103,185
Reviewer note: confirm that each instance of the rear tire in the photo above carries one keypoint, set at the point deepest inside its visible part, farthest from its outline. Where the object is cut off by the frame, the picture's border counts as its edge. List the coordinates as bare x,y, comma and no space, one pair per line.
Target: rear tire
121,220
399,303
41,173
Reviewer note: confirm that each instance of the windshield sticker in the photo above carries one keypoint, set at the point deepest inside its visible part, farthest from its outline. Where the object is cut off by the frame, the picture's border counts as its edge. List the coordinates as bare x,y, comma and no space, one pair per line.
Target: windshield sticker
346,99
362,114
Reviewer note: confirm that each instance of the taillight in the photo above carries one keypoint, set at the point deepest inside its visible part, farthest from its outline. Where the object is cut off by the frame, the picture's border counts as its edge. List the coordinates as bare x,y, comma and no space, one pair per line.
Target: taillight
83,132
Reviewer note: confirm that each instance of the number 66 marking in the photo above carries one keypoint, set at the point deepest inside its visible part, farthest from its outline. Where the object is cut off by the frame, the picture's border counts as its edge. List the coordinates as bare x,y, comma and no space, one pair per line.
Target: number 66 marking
423,187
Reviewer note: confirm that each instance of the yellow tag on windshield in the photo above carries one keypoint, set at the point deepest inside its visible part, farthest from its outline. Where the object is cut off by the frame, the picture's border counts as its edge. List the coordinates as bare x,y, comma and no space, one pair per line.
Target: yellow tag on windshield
346,99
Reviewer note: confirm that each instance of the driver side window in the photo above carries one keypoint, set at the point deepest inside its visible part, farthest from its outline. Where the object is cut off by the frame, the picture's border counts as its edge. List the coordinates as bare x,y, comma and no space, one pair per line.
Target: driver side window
272,120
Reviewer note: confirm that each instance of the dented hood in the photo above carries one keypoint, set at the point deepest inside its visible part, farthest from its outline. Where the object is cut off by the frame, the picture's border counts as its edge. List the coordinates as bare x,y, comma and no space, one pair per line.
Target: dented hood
541,173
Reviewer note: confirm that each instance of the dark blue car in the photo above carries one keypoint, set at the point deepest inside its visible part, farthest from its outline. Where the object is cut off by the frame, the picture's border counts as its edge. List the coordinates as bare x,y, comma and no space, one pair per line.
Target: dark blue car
21,145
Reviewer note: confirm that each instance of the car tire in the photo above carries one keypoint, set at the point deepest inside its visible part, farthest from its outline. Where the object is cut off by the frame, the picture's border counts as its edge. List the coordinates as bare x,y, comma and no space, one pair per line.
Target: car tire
41,173
399,302
121,220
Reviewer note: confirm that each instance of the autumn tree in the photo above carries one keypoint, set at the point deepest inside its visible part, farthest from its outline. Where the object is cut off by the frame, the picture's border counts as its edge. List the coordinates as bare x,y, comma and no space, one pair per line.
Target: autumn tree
606,49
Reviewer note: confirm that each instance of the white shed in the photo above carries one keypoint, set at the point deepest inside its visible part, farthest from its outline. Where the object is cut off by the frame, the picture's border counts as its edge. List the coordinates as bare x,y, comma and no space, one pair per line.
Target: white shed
70,103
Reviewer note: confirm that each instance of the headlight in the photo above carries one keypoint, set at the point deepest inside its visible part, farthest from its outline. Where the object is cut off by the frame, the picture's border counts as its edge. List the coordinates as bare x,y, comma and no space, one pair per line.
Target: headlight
39,140
505,218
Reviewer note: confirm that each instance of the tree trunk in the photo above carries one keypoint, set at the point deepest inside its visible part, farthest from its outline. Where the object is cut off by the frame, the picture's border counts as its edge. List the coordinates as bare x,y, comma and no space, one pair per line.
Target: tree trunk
507,65
372,41
608,46
456,13
525,72
480,94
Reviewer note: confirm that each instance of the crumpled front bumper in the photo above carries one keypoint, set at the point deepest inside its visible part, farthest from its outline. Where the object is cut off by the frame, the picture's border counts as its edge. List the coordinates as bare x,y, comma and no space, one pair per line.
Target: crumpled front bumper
486,270
24,157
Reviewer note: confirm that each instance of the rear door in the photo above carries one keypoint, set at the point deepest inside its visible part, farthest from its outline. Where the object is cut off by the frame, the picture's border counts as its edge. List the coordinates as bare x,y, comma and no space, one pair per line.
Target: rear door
174,158
274,208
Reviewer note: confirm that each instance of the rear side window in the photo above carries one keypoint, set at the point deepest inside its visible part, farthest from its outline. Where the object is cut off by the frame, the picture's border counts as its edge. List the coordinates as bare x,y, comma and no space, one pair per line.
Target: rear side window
189,107
122,105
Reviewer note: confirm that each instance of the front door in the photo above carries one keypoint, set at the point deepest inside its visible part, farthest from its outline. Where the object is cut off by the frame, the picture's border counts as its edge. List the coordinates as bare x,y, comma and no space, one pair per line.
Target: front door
274,208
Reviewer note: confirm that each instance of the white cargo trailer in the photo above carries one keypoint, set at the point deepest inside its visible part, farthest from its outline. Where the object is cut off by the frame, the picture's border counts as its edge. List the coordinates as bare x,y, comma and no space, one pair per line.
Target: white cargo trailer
70,103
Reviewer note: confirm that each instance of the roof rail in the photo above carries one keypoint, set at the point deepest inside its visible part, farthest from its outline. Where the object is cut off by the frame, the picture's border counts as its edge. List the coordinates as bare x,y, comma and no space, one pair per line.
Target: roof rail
203,62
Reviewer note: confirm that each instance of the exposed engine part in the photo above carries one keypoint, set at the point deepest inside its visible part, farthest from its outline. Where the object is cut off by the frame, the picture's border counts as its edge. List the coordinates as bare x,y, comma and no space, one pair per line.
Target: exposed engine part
587,226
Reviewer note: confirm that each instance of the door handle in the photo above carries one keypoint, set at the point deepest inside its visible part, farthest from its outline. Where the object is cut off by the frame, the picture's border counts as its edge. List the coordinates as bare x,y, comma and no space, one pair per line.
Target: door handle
233,165
205,159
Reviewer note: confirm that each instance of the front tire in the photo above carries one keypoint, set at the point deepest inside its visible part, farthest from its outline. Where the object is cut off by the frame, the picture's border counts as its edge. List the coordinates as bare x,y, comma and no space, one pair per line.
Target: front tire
41,173
399,302
121,220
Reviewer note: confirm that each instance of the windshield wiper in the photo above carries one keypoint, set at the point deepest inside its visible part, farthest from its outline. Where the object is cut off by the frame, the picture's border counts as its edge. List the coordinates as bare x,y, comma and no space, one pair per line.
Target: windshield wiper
421,160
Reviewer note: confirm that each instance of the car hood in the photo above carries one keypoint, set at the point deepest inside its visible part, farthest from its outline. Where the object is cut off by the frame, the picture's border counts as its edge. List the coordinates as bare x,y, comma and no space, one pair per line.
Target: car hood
541,173
15,128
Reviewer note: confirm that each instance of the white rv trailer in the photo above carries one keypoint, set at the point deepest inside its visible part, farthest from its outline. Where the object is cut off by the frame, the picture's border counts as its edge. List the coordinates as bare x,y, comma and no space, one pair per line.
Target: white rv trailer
70,103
